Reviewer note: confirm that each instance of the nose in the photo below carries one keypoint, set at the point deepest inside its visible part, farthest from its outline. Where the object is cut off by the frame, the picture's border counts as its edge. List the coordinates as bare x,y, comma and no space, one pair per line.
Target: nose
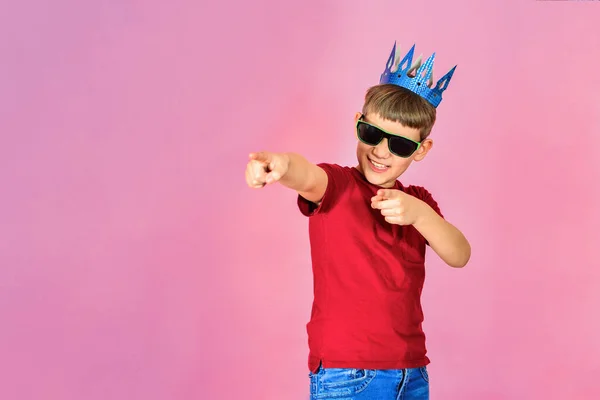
382,150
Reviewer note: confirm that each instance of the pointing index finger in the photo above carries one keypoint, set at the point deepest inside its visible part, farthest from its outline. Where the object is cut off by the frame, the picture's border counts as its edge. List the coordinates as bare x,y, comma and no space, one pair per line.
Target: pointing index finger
381,205
377,197
261,156
388,194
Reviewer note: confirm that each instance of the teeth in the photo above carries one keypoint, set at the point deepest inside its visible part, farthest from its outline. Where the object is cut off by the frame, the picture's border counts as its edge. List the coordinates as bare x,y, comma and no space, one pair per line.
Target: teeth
378,165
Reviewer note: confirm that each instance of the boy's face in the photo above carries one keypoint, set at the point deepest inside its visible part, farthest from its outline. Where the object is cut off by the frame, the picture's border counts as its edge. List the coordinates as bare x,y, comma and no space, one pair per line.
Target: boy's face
376,163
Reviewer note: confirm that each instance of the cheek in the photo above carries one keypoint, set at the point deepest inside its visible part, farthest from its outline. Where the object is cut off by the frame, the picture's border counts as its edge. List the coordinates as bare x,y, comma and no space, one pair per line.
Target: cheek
362,149
401,164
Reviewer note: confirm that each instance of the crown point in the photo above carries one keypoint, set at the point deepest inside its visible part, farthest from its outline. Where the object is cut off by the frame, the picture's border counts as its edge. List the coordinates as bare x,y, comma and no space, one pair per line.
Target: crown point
392,59
419,81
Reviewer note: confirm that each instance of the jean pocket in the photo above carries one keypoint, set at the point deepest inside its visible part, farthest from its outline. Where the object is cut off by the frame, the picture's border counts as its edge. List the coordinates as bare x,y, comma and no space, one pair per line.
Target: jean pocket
339,382
425,374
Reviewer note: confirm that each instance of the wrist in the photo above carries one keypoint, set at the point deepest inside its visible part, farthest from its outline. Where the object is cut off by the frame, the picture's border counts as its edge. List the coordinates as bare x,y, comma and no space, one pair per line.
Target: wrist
286,160
425,217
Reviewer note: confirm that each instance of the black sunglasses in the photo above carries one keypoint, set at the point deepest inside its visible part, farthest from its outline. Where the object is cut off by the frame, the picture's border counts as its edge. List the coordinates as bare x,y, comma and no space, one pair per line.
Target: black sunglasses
372,135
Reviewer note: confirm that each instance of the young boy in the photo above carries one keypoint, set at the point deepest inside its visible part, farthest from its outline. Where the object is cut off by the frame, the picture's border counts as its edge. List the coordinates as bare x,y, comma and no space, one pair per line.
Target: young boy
368,235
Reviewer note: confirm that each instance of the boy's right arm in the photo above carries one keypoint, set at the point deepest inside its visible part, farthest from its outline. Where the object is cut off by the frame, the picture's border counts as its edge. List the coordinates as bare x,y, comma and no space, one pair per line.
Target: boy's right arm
291,170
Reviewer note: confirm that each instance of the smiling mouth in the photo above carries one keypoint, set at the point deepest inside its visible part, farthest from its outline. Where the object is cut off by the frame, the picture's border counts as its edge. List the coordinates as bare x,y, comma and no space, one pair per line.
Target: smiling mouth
378,166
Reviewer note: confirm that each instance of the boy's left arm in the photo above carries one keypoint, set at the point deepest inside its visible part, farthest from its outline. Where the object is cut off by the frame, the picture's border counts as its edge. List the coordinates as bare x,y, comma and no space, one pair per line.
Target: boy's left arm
444,238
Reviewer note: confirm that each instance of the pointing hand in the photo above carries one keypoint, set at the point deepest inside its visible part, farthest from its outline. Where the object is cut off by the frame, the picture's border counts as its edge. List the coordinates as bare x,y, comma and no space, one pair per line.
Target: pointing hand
265,168
398,207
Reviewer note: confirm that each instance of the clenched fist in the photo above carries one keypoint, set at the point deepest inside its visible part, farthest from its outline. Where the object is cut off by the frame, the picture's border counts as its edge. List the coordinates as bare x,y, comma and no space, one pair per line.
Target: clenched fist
265,168
398,207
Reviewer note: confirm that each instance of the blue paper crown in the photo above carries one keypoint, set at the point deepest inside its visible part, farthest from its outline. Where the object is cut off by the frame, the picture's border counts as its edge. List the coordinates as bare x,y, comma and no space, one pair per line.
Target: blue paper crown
401,74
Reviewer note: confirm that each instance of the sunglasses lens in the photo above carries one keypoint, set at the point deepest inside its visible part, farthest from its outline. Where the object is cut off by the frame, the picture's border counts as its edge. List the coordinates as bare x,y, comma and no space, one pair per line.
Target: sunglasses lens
402,147
369,134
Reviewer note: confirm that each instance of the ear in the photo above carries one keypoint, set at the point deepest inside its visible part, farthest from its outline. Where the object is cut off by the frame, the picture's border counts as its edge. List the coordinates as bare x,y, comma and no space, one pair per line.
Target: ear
426,145
357,117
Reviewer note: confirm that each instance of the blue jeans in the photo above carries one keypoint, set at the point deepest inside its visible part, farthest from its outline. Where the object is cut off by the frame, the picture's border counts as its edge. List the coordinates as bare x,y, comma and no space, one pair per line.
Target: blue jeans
369,384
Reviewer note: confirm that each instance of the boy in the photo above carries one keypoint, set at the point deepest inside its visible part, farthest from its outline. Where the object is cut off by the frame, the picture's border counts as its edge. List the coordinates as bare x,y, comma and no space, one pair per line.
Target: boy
368,234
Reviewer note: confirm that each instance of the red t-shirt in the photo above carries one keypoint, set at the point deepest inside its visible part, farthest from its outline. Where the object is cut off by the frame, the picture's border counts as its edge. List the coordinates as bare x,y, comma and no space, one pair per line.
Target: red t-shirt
368,278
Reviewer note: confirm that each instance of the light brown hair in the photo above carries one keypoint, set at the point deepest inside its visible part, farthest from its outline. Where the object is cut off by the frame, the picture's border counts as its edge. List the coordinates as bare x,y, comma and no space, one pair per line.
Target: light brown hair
398,104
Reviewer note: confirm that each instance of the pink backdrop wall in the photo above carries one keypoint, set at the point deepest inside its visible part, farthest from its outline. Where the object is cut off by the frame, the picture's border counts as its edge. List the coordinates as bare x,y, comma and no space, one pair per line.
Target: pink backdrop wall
135,264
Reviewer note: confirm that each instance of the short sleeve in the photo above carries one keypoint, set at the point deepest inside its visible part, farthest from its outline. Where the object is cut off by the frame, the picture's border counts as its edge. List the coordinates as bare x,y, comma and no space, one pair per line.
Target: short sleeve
337,182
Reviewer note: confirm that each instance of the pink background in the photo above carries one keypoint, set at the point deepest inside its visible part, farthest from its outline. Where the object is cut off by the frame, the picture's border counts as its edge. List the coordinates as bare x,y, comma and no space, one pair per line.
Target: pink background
135,264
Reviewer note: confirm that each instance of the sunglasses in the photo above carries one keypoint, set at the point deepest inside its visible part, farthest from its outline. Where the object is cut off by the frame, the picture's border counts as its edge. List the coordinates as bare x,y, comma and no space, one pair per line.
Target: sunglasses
372,135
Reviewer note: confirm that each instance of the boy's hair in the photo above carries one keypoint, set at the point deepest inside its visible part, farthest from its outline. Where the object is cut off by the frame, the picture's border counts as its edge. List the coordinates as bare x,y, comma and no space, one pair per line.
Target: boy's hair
398,104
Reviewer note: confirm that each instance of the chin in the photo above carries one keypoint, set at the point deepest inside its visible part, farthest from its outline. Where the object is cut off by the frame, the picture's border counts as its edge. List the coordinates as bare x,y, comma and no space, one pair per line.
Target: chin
379,179
382,182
